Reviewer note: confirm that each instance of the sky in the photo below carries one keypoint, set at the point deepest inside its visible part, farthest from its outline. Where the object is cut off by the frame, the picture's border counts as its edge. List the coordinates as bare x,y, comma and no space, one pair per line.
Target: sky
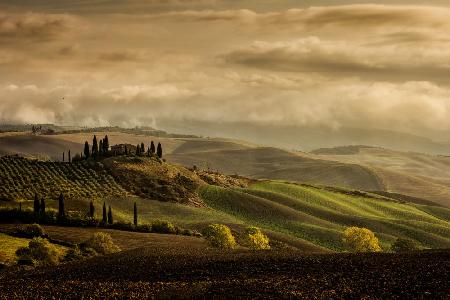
359,64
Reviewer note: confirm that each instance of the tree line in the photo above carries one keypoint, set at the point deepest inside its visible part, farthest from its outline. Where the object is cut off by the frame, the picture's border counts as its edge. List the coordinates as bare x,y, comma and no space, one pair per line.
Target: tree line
39,209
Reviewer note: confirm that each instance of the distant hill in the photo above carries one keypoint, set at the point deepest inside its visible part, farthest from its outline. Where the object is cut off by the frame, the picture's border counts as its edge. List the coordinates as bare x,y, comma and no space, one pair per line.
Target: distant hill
308,138
272,163
409,173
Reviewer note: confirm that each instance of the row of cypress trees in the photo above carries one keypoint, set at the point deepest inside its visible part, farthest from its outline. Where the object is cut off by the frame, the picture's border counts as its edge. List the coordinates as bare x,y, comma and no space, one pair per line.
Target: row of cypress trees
98,149
107,216
39,206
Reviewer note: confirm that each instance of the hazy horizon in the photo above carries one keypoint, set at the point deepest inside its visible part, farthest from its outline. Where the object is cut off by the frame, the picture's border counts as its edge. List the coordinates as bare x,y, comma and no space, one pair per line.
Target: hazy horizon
318,64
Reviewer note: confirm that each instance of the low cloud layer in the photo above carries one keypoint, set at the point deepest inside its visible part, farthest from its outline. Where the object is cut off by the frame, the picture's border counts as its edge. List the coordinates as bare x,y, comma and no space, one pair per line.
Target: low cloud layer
371,66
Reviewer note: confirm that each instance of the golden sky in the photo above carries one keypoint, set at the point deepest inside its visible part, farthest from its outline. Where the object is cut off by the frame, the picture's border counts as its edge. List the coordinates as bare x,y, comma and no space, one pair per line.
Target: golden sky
139,62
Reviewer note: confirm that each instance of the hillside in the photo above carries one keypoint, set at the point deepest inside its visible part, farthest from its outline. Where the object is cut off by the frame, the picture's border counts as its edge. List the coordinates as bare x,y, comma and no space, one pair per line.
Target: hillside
319,215
22,178
409,173
272,163
225,156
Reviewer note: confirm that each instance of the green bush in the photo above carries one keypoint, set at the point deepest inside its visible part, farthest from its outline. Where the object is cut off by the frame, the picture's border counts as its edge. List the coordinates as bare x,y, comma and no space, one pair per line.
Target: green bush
40,251
163,227
219,236
31,231
102,243
256,239
404,245
357,239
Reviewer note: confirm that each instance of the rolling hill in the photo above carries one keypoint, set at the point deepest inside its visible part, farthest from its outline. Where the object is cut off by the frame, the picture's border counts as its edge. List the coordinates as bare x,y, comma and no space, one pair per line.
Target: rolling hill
301,216
409,173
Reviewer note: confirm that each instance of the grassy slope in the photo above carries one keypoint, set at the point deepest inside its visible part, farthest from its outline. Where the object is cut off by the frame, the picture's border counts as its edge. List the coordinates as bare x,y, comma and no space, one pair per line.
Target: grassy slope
8,248
320,216
414,174
272,163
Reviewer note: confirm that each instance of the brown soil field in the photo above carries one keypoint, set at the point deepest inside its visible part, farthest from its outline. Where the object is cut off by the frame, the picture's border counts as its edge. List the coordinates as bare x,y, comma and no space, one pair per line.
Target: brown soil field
191,273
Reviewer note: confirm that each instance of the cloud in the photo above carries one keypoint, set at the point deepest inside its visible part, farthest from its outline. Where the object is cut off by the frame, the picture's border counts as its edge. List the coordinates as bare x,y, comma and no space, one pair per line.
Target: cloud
345,58
32,27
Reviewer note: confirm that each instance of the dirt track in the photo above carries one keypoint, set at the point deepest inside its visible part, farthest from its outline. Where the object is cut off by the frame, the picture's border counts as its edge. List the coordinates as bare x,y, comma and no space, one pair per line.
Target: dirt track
197,273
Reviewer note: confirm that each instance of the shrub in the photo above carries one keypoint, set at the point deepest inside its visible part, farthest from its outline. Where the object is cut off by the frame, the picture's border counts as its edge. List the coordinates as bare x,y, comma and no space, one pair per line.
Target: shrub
404,245
144,228
360,240
31,230
74,254
219,236
102,243
163,227
40,251
256,239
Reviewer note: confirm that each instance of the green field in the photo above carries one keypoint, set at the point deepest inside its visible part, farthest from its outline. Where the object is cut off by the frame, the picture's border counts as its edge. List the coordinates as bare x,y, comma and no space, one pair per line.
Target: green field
320,216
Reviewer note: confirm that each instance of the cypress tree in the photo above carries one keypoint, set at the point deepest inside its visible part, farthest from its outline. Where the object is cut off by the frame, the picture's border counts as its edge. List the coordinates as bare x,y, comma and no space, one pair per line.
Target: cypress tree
135,219
42,208
36,205
70,157
63,156
91,209
138,149
159,152
105,145
142,148
148,152
100,148
94,147
86,150
110,216
61,211
152,147
104,220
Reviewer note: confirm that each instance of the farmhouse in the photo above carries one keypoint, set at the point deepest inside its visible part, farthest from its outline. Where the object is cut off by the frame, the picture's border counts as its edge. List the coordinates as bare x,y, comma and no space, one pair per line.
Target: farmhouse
121,149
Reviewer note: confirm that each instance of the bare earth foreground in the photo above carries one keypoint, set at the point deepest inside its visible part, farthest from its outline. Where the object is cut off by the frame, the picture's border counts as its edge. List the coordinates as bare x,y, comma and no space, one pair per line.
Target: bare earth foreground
195,273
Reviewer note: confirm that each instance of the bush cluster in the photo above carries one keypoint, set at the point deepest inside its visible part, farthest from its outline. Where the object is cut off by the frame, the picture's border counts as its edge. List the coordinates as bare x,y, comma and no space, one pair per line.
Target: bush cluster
40,252
256,239
30,231
101,243
404,245
219,236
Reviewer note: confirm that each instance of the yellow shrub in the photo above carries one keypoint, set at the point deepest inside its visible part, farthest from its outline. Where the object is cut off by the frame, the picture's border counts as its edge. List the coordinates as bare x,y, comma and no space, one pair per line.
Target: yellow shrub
102,243
219,236
360,240
41,252
255,239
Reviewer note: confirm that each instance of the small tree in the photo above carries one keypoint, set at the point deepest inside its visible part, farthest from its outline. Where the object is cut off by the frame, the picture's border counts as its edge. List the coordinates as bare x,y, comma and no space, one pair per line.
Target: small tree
94,147
91,209
256,239
135,219
86,150
61,211
105,218
152,147
219,236
404,245
360,240
126,150
36,205
159,151
142,151
63,156
110,216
